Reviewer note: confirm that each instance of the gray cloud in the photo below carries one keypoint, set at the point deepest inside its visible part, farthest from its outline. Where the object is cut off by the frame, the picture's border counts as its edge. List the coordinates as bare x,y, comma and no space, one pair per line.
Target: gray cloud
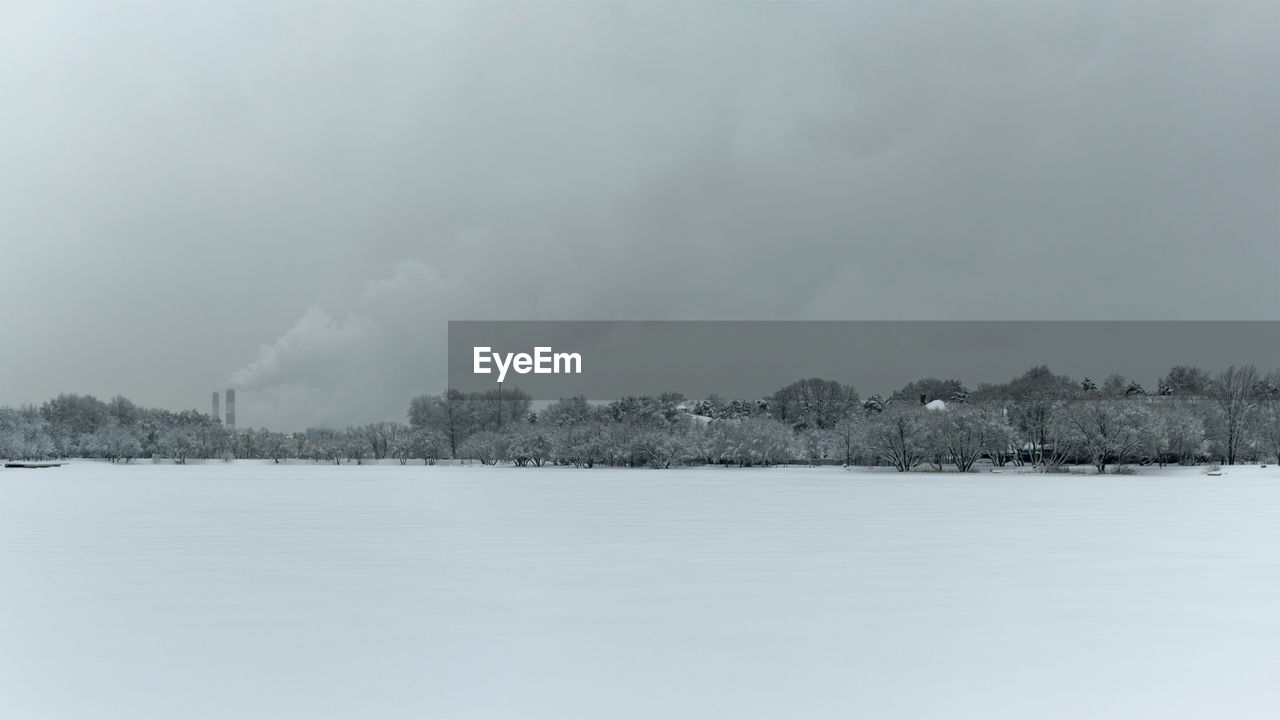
295,197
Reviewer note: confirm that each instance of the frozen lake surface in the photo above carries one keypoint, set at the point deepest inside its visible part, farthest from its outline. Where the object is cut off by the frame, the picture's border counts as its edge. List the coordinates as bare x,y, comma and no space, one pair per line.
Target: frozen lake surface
309,591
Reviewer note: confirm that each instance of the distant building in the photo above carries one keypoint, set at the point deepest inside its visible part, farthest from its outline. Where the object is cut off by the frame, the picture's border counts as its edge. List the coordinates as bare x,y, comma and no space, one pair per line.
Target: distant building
231,409
217,412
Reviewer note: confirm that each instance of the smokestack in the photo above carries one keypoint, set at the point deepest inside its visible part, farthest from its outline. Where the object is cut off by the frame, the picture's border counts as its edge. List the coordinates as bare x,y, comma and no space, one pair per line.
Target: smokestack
231,409
217,413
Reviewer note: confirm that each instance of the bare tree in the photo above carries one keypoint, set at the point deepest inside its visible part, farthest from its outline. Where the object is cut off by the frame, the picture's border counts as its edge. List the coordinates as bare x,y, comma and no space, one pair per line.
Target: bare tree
530,445
814,403
1234,393
1178,431
1269,420
1107,428
380,437
179,443
748,441
115,443
961,434
1185,381
487,446
897,436
1030,403
273,445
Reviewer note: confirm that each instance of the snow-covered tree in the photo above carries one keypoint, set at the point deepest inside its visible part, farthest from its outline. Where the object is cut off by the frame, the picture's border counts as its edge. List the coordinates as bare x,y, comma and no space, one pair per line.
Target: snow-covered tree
566,411
488,446
529,446
962,434
325,445
898,436
179,443
1185,381
1030,403
272,445
355,445
581,444
932,389
1134,388
1178,431
1106,428
24,434
814,403
748,441
1268,424
1234,393
113,442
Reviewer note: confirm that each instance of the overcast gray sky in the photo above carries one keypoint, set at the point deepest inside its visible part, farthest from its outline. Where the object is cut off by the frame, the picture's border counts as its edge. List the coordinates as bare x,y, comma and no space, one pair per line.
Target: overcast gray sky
296,196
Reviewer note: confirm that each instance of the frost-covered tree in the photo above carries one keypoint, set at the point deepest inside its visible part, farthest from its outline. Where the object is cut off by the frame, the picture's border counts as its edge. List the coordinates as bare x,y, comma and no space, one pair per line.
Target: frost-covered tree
721,409
1234,393
379,437
123,411
748,441
931,389
213,440
272,445
566,411
72,420
898,436
179,443
580,445
1106,428
1185,381
961,435
1001,441
655,448
1029,403
817,445
113,442
452,413
421,443
355,445
1269,417
500,407
24,434
488,446
1115,385
1178,431
325,445
814,403
529,446
638,412
457,415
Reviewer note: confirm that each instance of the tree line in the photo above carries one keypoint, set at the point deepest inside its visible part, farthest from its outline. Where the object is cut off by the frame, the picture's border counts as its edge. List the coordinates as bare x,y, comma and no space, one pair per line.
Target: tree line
1040,419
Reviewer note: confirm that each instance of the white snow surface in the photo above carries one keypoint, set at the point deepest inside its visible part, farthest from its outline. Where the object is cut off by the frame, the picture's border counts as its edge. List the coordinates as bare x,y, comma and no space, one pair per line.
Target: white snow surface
249,590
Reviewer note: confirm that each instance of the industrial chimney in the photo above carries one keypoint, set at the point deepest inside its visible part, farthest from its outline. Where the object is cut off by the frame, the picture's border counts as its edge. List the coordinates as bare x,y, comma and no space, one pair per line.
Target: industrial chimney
217,413
231,409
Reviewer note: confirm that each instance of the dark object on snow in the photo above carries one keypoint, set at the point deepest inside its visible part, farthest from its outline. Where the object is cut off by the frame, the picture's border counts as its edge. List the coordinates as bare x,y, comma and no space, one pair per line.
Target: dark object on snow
32,465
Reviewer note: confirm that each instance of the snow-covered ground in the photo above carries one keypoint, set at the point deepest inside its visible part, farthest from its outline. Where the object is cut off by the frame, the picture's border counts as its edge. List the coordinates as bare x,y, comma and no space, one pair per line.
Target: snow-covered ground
312,591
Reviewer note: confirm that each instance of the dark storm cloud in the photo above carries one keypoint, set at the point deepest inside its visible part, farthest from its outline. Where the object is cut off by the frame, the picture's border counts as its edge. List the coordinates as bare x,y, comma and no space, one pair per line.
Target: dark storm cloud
295,197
